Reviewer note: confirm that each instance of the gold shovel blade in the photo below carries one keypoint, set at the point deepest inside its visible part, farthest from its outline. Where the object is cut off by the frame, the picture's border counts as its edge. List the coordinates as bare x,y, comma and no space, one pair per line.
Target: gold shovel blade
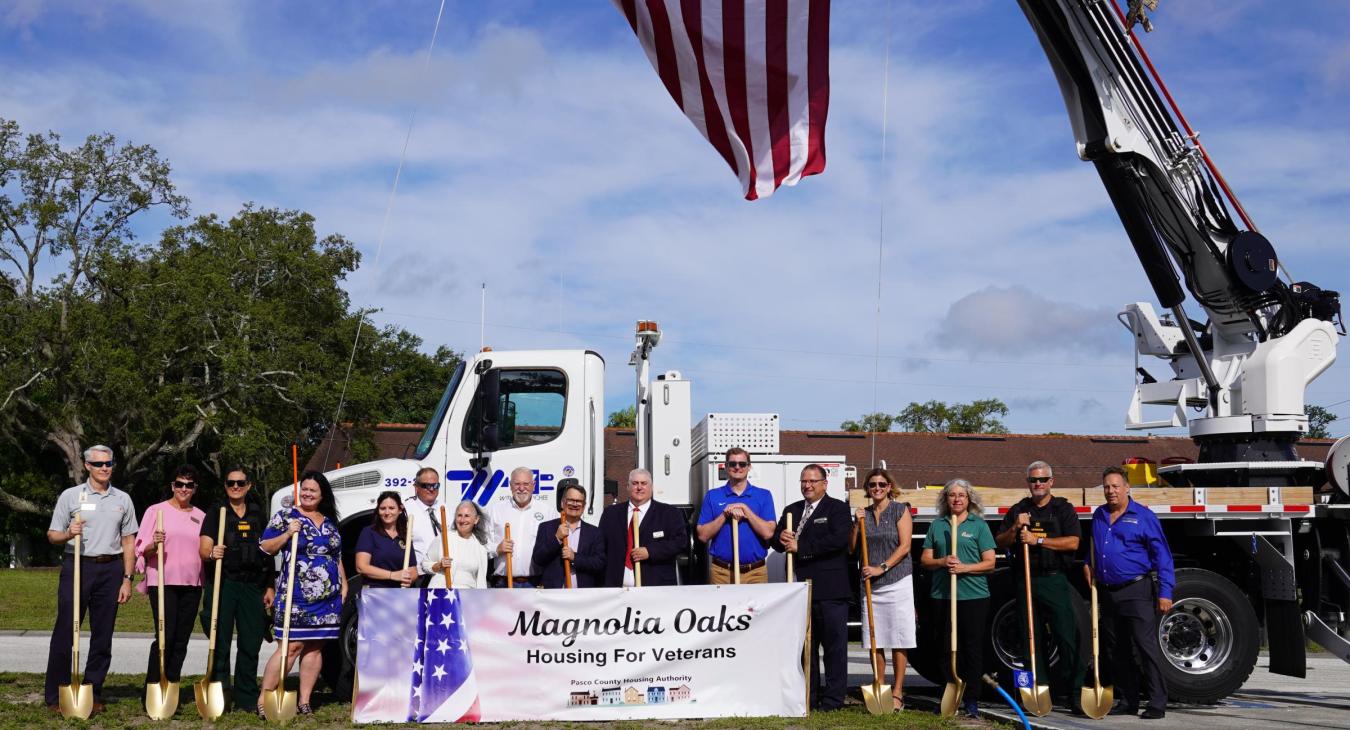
278,705
161,700
877,698
1096,701
211,703
77,701
951,698
1036,700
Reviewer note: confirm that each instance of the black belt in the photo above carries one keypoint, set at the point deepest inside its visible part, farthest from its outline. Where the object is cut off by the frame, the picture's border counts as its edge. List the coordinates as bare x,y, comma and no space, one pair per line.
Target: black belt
100,558
744,566
1129,582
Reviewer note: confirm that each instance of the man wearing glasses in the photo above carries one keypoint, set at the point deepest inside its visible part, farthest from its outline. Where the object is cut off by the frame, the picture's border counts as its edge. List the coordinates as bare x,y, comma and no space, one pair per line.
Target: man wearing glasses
524,514
1048,526
105,519
820,540
425,509
739,499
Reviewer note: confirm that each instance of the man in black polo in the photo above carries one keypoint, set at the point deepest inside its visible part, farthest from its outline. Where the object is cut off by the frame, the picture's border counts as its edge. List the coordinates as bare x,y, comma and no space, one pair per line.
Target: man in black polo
105,519
1048,526
820,541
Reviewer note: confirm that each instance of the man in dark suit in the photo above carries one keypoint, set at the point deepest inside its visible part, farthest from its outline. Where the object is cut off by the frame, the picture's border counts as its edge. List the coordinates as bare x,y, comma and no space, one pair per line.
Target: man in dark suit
569,538
820,542
661,536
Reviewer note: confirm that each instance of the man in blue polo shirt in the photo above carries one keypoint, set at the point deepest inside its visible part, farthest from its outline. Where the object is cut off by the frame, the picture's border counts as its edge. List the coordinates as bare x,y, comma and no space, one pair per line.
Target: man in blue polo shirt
1129,543
753,506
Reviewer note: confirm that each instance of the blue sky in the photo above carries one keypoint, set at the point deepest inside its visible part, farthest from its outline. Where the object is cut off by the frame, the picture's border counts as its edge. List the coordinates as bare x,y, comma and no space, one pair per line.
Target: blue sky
546,161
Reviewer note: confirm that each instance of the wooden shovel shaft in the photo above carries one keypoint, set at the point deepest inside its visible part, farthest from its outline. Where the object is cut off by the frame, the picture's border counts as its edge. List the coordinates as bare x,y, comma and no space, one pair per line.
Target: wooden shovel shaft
1092,584
510,574
445,546
736,550
789,555
956,529
1031,623
215,600
75,616
286,620
159,589
407,544
867,589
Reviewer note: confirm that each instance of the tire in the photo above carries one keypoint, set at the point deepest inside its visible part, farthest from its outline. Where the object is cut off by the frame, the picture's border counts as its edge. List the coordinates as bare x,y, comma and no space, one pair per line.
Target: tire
1002,653
1209,639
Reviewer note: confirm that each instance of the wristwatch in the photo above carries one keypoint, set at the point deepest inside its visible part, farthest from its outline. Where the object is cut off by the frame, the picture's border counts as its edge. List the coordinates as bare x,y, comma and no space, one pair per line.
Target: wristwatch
129,577
885,567
1040,540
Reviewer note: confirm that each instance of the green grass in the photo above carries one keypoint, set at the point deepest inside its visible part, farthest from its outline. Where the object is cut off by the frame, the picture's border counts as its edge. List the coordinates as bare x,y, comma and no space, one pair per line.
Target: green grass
21,707
28,602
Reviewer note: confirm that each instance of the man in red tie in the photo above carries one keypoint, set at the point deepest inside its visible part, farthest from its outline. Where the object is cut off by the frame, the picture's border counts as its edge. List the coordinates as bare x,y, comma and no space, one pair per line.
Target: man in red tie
642,532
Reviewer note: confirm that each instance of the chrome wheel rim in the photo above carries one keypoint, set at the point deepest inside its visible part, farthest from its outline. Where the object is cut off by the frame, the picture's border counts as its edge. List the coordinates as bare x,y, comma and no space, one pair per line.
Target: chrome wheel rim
1196,636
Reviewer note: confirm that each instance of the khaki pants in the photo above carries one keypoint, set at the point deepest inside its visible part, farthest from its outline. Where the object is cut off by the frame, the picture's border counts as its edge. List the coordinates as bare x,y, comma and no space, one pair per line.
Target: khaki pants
722,576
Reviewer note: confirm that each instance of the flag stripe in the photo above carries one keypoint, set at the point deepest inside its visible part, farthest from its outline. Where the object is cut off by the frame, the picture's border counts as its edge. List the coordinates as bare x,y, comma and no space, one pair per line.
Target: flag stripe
798,23
733,68
715,62
715,129
776,86
818,77
666,66
691,94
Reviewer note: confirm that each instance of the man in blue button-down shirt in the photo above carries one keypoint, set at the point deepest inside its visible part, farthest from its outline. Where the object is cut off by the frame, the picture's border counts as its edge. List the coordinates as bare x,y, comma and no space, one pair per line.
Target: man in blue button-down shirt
1129,544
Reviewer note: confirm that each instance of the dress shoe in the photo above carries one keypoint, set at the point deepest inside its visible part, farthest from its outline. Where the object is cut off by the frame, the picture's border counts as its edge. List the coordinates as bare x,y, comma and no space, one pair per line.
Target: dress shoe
1123,710
54,709
99,708
1152,714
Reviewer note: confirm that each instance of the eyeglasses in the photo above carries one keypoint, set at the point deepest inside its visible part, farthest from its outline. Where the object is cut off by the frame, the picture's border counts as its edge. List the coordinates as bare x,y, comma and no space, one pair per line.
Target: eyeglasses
574,502
101,464
236,483
184,485
1038,480
433,486
811,481
737,464
871,485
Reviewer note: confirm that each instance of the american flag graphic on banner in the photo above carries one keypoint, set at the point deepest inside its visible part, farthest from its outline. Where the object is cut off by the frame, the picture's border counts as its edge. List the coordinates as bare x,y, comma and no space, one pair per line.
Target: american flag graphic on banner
443,684
752,75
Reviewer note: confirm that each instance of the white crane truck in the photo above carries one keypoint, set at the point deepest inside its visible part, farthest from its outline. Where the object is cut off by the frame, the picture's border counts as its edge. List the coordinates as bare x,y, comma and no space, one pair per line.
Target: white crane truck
1261,545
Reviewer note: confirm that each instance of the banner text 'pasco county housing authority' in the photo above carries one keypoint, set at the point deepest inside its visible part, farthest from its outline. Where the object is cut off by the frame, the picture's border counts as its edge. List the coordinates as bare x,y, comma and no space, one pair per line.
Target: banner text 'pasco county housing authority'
433,655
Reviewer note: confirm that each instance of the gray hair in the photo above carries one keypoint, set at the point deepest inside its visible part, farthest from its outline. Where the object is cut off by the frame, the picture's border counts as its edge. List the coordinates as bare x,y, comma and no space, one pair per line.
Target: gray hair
479,530
522,470
635,472
97,449
1038,464
976,506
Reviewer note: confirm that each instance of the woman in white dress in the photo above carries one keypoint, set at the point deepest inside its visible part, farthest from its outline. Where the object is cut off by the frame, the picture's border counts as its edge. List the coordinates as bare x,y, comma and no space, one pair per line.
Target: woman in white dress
468,558
890,530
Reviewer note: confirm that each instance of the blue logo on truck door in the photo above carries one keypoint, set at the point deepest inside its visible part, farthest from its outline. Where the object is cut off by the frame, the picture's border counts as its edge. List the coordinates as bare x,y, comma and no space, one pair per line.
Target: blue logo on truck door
481,486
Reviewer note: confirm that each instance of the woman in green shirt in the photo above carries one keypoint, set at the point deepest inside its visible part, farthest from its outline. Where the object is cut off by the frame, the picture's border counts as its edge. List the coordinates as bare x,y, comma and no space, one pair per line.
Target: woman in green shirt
960,506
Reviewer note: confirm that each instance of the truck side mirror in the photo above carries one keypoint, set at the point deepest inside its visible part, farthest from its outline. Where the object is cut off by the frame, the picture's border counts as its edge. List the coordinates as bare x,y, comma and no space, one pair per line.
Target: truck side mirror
490,410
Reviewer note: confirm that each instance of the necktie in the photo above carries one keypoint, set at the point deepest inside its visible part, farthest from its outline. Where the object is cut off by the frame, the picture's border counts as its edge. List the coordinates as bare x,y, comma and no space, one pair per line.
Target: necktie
806,516
435,524
632,525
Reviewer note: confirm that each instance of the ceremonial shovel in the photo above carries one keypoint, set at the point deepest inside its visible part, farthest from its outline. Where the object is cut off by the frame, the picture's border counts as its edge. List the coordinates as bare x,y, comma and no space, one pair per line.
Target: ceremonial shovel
567,564
510,576
445,546
736,550
951,694
211,695
637,566
77,700
161,698
1095,700
789,555
279,704
876,696
1036,698
407,543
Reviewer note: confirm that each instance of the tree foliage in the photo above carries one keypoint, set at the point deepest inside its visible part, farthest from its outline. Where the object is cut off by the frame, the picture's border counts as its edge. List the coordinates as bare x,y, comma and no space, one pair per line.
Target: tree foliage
217,346
981,416
1319,422
625,418
870,423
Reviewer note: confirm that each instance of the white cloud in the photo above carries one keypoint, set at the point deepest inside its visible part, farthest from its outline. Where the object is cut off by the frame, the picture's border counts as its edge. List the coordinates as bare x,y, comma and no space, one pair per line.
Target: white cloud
1014,320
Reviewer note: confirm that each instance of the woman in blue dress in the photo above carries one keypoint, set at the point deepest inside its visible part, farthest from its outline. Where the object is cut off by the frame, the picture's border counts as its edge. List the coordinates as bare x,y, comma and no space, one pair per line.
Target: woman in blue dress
320,586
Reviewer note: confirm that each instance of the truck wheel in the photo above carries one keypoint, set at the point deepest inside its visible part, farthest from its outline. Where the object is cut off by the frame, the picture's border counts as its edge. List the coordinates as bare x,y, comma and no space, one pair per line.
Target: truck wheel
1210,638
1007,623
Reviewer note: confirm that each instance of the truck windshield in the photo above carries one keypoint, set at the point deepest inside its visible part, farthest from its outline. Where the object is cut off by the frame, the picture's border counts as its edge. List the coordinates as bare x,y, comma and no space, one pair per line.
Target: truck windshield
434,424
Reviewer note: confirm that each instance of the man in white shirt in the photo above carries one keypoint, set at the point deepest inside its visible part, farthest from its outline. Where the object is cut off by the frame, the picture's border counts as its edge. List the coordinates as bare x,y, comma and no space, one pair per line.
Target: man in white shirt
524,513
425,509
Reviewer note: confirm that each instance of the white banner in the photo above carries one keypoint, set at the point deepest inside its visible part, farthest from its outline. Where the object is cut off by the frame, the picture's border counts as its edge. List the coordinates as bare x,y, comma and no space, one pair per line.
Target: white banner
433,655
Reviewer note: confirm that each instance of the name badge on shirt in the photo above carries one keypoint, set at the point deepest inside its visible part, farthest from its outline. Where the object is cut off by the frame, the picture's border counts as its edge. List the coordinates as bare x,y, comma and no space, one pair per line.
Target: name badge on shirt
243,526
88,506
1129,520
662,533
194,519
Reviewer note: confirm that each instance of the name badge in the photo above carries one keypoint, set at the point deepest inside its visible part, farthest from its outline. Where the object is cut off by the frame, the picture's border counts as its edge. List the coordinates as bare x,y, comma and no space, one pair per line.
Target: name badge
88,506
194,519
659,534
819,520
243,526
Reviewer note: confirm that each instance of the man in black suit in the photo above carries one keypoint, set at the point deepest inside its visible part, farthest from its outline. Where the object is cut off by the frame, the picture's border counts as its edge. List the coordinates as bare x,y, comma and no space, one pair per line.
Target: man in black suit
820,542
661,536
569,538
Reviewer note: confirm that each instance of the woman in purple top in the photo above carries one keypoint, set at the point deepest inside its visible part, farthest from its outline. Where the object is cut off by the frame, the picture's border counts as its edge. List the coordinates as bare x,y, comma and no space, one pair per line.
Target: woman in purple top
380,547
182,576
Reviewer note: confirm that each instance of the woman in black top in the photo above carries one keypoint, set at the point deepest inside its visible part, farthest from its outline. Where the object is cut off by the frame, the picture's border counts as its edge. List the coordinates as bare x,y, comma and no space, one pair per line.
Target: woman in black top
246,589
380,548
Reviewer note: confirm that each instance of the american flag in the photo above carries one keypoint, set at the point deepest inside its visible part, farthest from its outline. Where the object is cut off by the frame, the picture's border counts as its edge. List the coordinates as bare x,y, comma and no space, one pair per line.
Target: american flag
443,685
752,75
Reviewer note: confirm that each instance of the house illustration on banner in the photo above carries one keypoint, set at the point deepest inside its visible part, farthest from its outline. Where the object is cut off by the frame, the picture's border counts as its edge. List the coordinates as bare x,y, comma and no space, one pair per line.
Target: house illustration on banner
678,694
611,696
656,695
577,699
631,696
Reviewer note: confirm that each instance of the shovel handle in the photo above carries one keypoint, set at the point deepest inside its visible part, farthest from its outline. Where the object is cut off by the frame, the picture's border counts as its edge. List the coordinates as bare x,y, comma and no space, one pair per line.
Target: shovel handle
159,590
75,615
510,574
956,529
215,600
1031,623
445,546
736,550
407,543
789,555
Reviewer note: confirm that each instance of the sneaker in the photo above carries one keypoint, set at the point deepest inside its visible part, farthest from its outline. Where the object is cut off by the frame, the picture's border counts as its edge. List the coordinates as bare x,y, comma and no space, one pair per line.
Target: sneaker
972,710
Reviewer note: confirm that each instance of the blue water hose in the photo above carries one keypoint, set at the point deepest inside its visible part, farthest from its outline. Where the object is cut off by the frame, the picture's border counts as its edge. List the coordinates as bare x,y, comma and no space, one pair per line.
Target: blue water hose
1008,698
